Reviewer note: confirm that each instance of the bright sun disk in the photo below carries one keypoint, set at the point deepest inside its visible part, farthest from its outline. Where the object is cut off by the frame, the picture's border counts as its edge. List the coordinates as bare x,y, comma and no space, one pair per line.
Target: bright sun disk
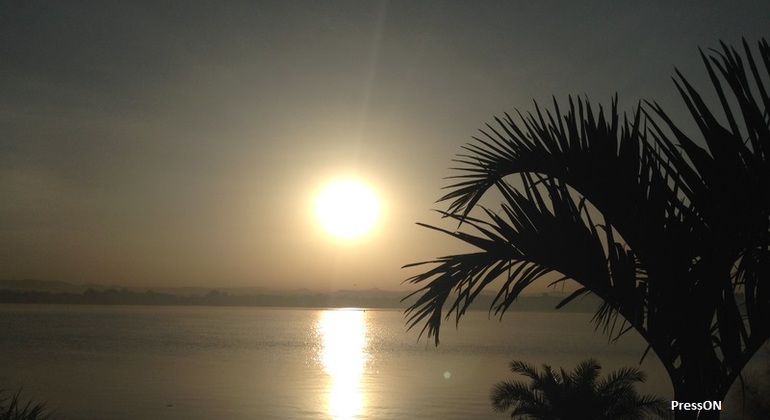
347,209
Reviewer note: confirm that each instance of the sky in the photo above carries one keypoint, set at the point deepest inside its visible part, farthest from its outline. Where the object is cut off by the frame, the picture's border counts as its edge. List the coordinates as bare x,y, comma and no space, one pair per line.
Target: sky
182,143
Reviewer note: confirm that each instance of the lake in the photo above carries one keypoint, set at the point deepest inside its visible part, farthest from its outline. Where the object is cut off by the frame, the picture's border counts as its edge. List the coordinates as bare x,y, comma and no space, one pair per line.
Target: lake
129,362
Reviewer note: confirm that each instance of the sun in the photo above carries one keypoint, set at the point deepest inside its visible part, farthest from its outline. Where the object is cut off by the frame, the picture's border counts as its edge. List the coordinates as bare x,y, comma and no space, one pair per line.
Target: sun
347,209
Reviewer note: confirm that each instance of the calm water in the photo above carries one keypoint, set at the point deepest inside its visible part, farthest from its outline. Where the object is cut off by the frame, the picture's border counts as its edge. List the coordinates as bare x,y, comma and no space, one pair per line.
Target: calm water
97,362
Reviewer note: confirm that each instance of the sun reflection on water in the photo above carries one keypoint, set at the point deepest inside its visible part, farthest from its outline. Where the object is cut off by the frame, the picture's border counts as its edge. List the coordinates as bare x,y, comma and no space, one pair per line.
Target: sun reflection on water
343,354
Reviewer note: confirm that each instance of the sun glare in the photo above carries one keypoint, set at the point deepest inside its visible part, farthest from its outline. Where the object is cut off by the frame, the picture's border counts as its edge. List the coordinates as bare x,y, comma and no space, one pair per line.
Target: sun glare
347,209
344,358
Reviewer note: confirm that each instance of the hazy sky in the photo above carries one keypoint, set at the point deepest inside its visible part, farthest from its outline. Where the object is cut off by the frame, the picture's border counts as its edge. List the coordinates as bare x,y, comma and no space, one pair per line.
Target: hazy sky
181,142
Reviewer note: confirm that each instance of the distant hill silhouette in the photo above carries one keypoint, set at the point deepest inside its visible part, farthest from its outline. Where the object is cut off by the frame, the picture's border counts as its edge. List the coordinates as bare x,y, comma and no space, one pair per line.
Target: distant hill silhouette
59,292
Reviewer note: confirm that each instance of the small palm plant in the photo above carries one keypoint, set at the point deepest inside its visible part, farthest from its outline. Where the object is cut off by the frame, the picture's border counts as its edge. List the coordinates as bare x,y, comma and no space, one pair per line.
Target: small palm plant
575,395
13,408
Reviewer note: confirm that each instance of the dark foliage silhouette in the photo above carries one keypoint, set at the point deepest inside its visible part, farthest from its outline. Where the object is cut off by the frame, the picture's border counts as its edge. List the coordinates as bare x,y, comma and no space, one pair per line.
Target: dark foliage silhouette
672,232
755,388
14,408
575,395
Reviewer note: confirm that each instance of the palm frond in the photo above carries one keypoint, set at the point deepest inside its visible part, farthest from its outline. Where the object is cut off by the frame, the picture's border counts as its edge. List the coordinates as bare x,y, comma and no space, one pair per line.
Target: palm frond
516,246
507,395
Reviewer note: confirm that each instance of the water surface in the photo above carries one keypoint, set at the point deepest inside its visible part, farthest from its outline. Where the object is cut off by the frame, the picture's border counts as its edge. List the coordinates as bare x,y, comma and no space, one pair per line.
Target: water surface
129,362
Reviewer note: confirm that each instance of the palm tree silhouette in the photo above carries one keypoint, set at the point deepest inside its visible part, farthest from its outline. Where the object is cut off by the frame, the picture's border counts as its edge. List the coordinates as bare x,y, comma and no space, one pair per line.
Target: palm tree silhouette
575,395
671,233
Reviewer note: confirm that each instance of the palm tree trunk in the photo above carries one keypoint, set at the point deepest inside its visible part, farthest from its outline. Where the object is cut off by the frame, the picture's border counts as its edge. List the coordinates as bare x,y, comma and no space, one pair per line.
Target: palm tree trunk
700,377
685,394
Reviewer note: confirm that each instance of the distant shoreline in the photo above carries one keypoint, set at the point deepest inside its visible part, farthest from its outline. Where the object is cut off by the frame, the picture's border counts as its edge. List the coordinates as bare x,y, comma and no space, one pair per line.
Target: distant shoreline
44,292
213,298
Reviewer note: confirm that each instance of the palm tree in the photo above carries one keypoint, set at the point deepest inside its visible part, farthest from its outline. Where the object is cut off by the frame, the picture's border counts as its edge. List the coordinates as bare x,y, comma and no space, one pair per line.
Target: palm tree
671,233
575,395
